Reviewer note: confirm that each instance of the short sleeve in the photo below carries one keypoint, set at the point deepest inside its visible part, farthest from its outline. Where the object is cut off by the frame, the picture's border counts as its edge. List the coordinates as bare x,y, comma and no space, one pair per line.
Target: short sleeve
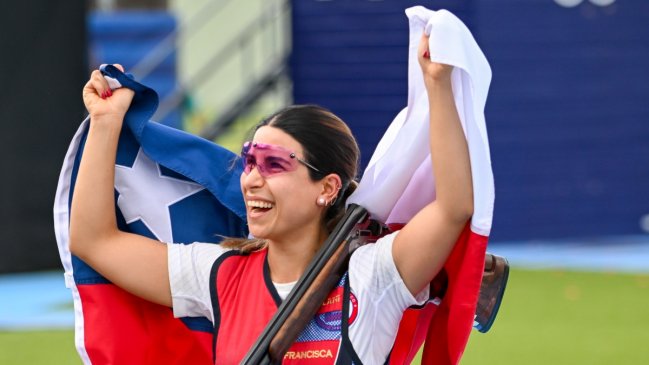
189,275
382,297
372,269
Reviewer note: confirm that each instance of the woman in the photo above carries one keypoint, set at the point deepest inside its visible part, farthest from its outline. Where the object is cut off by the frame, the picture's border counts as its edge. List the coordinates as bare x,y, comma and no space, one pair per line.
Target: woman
298,171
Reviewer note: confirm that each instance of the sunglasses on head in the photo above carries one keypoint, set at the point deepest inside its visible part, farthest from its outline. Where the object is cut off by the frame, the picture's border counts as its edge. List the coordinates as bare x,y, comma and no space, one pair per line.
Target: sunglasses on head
270,159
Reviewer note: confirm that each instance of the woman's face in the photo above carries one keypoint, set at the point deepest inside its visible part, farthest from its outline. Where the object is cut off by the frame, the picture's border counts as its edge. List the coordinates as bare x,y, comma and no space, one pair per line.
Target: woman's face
280,204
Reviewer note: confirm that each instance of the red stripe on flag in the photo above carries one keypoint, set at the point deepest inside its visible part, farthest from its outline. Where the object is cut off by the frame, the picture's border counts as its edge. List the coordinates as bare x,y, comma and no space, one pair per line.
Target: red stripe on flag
120,328
449,331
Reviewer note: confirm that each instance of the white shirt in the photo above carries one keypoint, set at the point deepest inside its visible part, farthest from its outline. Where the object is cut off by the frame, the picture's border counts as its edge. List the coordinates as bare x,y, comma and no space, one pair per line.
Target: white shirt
373,277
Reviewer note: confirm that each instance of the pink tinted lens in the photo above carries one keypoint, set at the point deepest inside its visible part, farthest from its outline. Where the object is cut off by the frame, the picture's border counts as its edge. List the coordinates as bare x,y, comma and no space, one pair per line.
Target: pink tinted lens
268,159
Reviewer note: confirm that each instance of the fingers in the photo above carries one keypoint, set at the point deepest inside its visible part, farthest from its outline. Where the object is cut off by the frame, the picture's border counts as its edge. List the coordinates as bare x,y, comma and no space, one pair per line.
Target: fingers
432,69
98,88
423,51
108,91
95,87
98,85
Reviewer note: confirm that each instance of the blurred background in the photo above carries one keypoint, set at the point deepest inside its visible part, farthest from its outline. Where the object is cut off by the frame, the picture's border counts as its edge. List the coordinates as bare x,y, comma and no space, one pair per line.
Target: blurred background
567,117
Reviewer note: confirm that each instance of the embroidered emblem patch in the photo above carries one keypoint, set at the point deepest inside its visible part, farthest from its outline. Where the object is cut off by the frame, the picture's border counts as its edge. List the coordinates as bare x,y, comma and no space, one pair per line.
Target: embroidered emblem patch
353,308
329,316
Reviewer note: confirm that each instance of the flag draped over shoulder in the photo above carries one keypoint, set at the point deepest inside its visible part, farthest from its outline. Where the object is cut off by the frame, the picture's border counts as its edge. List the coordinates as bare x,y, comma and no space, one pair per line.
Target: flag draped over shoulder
170,186
399,181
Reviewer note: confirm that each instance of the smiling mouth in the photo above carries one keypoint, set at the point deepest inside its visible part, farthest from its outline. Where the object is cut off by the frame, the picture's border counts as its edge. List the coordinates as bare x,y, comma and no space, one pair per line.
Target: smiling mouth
259,206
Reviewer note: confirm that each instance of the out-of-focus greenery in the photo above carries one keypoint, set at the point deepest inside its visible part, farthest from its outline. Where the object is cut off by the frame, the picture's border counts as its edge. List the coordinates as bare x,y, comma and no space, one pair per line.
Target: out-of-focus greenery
38,348
547,317
563,317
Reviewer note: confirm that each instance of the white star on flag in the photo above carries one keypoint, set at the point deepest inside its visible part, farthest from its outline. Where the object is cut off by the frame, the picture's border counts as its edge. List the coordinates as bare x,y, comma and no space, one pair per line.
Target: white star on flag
138,200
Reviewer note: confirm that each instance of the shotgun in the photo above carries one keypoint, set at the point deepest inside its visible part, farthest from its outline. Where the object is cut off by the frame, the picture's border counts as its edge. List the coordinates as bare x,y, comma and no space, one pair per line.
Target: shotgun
325,271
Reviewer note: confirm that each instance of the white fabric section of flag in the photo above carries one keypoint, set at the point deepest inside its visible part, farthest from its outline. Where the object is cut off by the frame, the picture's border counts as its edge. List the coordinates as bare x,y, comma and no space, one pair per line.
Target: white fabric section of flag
399,180
61,229
139,201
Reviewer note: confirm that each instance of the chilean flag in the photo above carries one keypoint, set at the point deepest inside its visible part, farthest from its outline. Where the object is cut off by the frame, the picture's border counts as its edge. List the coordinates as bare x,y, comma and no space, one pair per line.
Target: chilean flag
176,187
170,186
399,181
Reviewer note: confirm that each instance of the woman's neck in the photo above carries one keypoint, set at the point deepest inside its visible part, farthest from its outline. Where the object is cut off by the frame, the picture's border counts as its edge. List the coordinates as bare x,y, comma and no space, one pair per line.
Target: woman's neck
289,258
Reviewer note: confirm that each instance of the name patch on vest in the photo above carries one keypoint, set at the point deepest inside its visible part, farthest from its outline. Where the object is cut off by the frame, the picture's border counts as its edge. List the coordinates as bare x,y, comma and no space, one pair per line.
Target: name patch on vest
318,353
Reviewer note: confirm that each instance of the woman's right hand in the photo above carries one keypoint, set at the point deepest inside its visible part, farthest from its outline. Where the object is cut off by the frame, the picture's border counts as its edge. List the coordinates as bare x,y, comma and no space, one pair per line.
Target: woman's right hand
101,101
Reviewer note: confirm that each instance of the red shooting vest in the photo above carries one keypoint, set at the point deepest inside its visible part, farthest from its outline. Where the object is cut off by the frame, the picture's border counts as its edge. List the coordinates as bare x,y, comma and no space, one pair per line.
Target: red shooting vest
244,299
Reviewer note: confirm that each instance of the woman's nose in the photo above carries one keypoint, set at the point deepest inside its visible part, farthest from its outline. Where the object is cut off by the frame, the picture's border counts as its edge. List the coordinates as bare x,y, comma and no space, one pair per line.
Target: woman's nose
252,179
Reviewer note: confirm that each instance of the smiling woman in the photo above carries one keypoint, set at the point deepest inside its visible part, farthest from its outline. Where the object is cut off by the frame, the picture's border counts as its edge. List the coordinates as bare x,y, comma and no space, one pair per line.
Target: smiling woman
307,134
299,169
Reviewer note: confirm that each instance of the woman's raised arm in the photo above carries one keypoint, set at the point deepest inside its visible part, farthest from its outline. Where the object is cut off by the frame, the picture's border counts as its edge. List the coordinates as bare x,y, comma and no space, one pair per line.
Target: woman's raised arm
134,263
423,245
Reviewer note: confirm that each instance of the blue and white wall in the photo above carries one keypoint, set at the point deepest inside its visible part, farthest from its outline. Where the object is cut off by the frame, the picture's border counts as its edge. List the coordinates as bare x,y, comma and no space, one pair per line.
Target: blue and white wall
127,37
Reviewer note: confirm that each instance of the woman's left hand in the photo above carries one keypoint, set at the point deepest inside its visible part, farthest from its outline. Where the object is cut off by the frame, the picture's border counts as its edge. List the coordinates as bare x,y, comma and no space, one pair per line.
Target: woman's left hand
432,71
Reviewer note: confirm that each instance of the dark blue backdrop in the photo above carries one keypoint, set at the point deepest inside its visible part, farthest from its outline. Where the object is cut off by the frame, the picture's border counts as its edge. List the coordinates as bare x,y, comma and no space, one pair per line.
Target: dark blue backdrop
567,113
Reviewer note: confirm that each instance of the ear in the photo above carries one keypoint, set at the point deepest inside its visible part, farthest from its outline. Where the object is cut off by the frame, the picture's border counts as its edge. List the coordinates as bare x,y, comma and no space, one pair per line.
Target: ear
331,185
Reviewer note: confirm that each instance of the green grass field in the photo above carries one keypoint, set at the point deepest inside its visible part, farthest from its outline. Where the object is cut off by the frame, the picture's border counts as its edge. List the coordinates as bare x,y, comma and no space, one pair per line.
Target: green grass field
547,317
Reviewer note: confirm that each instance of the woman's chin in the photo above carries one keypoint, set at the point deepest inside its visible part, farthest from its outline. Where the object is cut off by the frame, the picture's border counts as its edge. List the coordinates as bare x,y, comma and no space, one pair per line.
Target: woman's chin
259,232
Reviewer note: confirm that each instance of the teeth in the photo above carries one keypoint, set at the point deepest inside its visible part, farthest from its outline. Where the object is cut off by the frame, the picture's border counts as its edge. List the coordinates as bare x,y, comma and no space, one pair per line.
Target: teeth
259,204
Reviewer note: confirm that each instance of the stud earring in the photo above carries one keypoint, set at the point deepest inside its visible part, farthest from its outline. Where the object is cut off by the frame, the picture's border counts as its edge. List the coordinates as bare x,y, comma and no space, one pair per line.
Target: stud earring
321,201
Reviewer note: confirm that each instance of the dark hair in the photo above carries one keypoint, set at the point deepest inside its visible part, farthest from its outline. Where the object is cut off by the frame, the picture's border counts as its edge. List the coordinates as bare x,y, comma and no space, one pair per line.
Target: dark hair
328,144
